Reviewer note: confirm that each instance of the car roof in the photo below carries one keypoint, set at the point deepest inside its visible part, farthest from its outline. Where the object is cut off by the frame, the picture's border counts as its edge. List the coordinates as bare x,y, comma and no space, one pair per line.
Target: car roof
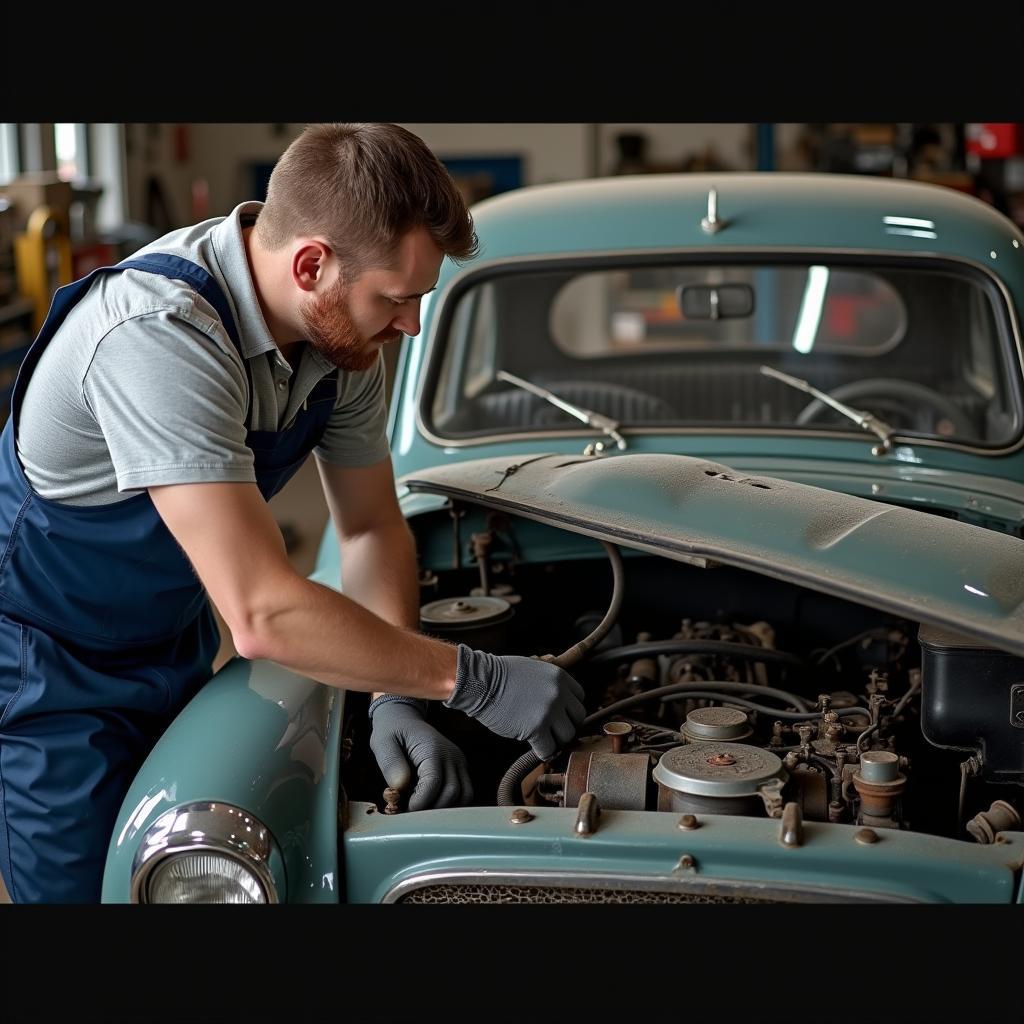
822,212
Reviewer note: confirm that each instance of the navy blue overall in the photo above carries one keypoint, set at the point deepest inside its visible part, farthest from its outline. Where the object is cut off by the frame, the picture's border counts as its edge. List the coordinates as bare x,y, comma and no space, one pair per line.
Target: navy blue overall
105,634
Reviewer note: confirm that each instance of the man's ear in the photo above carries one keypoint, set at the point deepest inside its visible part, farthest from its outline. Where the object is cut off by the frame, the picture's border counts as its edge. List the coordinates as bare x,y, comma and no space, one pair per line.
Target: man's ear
309,259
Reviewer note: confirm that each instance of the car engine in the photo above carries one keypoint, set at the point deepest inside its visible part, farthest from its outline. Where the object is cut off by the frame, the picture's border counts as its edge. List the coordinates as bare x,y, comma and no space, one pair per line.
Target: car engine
719,691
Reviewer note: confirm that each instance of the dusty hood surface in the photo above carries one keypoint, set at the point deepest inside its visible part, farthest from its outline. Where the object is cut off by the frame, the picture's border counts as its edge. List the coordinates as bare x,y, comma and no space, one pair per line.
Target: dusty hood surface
913,564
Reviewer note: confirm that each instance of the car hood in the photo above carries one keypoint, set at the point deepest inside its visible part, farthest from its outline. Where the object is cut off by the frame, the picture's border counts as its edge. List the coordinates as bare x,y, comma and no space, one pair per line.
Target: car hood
925,568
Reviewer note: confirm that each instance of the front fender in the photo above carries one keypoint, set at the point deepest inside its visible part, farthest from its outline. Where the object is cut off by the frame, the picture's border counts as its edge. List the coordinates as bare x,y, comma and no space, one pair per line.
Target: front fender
265,740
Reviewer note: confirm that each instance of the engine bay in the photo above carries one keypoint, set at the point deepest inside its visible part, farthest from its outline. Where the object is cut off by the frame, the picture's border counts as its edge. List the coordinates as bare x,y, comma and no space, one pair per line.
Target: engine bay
714,690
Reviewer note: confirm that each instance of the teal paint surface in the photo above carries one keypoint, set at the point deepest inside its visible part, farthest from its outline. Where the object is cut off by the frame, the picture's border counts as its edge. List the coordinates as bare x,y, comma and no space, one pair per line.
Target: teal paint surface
266,741
382,851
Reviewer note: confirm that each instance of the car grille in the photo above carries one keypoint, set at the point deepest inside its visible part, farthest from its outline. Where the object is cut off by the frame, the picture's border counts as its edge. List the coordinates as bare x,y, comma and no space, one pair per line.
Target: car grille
504,893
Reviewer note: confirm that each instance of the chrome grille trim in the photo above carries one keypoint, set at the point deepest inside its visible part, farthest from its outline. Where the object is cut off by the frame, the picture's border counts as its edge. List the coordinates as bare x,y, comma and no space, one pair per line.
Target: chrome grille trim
680,889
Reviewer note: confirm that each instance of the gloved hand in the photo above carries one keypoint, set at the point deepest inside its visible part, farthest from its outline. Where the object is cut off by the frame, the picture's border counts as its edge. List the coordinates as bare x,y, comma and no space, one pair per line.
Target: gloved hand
522,698
399,735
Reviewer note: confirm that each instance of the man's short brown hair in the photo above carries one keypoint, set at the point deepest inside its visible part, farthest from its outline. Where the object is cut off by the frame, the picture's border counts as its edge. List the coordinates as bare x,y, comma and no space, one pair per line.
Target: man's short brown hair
361,187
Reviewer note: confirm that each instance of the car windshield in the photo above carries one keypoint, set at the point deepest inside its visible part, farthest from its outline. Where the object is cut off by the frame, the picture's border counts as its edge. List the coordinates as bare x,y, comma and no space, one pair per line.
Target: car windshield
927,346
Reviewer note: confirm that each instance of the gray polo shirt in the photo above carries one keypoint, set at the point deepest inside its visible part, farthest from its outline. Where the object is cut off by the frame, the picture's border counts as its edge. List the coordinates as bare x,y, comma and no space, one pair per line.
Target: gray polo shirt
142,386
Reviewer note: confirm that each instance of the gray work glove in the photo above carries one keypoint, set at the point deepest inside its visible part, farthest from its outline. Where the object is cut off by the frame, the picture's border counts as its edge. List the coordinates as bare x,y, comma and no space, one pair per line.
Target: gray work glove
399,736
521,698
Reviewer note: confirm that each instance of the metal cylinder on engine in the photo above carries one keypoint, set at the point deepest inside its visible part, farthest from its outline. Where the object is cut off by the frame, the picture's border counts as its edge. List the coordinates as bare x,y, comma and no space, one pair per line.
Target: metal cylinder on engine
720,778
619,781
717,725
478,622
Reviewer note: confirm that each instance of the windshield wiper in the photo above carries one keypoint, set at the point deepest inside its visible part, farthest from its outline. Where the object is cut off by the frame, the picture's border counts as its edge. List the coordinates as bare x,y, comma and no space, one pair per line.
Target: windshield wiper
591,418
863,419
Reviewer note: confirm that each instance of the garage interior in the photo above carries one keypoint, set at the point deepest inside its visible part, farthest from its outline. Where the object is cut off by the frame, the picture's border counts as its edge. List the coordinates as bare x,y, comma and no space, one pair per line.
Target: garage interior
74,197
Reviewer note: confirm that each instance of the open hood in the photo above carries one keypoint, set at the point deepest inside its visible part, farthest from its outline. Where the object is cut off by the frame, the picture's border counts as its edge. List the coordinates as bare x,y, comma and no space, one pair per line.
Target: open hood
919,566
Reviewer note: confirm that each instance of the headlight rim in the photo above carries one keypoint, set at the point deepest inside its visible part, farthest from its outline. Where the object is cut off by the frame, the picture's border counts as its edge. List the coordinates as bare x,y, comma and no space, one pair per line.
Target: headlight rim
207,826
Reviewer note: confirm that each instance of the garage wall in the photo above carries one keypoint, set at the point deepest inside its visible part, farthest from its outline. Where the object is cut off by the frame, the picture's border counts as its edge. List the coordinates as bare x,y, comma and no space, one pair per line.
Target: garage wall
218,153
221,153
550,152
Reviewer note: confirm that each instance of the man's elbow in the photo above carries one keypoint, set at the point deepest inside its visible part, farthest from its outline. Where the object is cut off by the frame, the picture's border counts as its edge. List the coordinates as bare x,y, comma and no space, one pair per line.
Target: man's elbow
258,629
255,642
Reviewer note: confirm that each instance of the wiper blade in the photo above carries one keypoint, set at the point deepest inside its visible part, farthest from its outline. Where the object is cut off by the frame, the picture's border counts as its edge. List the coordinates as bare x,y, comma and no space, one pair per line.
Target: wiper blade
864,420
588,416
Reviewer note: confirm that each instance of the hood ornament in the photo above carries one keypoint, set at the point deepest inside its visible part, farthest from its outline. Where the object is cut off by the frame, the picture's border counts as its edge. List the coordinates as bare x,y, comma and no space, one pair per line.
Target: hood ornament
712,223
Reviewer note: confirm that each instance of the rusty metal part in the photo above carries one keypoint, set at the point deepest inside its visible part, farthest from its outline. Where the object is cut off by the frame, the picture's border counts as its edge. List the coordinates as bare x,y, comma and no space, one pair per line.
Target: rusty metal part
812,792
586,818
832,727
686,863
986,825
619,733
836,811
878,798
792,831
520,816
689,822
643,674
550,787
837,779
618,780
719,760
391,798
866,836
771,795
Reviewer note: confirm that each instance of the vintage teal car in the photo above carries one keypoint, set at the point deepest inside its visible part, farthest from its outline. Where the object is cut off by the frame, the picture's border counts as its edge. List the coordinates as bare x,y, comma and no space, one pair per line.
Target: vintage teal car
747,452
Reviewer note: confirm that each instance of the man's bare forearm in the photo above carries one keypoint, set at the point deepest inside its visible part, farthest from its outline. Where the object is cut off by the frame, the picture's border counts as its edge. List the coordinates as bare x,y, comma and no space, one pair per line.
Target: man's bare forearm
317,632
231,538
379,571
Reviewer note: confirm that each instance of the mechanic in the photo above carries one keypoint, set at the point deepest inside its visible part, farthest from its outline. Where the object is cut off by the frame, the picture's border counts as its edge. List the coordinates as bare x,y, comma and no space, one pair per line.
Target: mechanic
165,400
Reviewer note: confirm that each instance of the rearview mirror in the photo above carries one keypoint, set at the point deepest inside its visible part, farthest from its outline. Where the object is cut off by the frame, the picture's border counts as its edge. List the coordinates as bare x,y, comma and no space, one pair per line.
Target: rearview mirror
716,301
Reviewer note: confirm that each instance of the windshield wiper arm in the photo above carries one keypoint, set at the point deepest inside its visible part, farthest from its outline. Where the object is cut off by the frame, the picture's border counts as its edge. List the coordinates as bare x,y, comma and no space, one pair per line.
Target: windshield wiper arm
864,420
588,416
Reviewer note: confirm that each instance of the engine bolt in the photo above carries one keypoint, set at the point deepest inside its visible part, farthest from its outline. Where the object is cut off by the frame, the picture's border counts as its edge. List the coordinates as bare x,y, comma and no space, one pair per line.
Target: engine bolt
721,759
688,822
866,836
520,816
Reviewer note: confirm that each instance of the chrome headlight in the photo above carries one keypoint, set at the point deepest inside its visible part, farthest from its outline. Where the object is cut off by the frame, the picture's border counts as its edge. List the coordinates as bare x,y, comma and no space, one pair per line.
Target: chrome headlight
205,853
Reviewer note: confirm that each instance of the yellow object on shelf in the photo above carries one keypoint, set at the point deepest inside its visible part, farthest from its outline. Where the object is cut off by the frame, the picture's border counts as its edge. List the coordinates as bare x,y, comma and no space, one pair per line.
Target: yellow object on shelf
42,259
